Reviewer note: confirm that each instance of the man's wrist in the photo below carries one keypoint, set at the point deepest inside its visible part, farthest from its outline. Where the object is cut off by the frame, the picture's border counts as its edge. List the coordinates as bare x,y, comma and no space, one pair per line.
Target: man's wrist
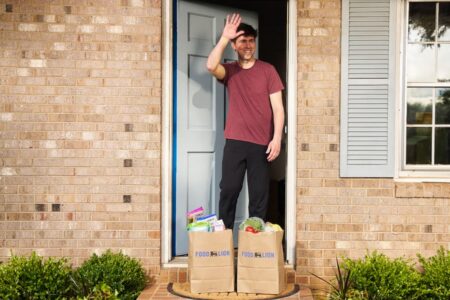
276,139
224,39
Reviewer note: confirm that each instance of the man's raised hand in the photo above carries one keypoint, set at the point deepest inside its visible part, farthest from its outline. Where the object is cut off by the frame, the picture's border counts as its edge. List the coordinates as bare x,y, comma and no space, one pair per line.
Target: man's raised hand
231,25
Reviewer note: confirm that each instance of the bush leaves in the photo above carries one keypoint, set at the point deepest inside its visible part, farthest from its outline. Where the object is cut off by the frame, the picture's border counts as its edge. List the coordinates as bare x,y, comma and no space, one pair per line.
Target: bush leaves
110,276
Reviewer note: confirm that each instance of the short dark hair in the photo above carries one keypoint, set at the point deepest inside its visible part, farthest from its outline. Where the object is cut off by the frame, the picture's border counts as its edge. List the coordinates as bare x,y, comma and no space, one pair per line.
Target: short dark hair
248,30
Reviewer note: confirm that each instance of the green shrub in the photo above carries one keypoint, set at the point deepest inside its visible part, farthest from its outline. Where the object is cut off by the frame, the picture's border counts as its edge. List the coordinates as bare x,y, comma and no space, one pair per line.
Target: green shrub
34,278
382,278
123,274
435,280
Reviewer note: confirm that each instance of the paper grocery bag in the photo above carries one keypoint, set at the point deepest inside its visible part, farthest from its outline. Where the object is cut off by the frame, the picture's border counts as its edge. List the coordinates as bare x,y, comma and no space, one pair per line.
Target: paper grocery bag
260,263
210,264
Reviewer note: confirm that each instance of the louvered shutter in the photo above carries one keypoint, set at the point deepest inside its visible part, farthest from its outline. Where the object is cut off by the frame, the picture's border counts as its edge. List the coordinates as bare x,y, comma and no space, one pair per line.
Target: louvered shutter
368,88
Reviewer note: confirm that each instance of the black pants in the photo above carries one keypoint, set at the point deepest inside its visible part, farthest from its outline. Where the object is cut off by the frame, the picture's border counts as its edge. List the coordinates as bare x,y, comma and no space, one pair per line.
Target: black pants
239,156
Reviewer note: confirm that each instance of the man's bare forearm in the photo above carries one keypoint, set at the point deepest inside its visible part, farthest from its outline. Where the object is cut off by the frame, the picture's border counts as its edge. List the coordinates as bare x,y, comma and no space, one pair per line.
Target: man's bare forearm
278,120
278,115
215,57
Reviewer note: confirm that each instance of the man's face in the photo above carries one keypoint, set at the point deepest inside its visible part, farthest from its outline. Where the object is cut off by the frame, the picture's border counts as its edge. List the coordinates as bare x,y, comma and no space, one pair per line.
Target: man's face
245,47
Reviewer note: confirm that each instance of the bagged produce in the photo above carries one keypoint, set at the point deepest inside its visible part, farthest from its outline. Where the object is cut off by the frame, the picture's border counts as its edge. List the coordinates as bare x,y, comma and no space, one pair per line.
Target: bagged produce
199,226
257,224
260,258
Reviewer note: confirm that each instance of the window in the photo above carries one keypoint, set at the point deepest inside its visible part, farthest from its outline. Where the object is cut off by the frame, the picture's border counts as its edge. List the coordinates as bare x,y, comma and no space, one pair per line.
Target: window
427,88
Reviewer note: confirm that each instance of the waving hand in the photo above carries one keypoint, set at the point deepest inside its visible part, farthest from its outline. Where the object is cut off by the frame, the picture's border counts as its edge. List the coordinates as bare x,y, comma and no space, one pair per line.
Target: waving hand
229,33
231,25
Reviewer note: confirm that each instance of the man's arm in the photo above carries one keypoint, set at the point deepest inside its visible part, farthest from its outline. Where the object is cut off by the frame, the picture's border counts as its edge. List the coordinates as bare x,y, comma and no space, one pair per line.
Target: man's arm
213,64
229,32
274,147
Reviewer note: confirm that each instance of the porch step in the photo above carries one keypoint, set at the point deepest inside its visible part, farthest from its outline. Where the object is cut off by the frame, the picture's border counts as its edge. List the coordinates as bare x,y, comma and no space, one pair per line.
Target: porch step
184,290
161,291
180,275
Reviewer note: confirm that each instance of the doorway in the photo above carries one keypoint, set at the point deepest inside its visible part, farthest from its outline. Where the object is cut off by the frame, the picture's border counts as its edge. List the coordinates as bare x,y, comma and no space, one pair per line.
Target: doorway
201,107
272,38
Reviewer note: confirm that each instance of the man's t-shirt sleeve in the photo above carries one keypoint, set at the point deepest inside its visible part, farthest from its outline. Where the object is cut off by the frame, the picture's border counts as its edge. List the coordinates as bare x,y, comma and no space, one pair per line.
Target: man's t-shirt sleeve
275,83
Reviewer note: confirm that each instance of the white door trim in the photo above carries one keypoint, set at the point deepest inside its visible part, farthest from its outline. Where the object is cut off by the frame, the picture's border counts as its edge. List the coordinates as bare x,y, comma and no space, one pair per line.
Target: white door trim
167,136
291,167
166,131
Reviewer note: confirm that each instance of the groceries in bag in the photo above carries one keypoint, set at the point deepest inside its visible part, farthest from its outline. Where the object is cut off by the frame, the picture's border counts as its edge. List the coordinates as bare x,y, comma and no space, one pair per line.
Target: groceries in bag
194,214
255,225
260,258
205,223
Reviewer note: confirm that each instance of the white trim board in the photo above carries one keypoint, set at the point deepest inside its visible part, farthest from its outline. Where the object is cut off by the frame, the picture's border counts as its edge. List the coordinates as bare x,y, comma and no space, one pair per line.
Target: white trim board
167,136
167,121
291,164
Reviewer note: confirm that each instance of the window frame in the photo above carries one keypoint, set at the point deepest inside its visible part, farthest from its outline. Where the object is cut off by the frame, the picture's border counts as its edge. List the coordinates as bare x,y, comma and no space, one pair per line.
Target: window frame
406,172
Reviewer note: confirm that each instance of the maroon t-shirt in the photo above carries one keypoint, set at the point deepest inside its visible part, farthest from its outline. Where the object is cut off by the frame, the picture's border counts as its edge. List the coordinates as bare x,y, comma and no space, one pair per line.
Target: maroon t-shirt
250,117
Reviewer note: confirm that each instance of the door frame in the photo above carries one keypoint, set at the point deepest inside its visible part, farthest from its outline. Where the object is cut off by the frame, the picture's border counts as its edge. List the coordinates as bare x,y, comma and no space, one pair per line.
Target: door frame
167,134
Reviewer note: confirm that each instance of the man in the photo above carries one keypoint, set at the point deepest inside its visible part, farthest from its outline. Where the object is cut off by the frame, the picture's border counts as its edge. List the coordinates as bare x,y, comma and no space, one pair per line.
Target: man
254,122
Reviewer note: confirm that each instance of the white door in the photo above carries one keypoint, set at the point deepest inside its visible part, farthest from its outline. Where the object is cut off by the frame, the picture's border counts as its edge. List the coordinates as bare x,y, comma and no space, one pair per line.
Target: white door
200,115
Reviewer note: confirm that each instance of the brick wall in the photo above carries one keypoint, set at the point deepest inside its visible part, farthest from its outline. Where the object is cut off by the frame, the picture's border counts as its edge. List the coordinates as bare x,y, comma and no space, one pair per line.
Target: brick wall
348,216
80,94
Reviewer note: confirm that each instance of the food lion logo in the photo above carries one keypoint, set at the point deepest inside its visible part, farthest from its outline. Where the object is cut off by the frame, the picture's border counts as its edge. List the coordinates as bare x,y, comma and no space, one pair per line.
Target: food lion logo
257,254
212,253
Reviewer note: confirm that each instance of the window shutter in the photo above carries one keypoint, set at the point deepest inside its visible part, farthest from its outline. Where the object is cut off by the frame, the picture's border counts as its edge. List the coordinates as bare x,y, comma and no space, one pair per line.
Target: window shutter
368,88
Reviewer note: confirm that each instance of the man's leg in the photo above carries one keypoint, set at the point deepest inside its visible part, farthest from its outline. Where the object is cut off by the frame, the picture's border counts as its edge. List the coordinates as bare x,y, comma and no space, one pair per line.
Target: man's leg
233,171
258,181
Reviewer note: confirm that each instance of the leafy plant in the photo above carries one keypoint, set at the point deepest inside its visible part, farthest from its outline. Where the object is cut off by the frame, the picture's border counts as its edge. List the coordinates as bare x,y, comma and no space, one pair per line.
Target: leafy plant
101,292
34,278
121,273
341,287
383,278
435,280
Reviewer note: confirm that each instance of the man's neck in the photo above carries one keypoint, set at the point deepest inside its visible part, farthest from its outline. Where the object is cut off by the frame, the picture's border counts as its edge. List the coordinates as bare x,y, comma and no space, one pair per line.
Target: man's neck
247,63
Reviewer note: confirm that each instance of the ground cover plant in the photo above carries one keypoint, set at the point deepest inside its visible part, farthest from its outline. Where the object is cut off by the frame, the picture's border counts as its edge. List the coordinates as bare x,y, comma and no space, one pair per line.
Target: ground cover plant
35,278
110,276
122,274
384,278
435,279
378,277
341,287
